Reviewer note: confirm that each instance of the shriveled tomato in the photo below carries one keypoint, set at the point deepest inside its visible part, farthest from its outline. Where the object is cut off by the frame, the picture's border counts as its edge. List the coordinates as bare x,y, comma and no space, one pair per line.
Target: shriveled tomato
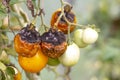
27,41
33,64
62,24
71,55
53,43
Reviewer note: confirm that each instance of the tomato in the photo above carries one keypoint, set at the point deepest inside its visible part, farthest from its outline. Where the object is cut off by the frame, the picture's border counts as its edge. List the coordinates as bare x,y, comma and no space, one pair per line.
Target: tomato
53,43
71,56
89,36
24,48
78,38
62,24
26,42
33,64
53,61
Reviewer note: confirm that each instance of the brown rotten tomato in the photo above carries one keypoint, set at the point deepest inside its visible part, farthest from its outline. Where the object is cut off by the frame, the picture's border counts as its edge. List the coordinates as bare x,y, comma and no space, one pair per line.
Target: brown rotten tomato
62,24
53,43
27,41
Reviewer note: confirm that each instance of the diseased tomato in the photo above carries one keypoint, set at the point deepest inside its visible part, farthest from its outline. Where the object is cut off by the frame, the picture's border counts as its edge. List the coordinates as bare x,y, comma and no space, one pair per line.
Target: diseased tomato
89,36
53,43
62,24
78,38
71,55
27,41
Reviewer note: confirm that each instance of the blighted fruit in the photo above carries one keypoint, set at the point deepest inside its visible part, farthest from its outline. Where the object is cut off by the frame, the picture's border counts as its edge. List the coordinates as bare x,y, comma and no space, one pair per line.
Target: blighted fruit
27,41
53,43
62,24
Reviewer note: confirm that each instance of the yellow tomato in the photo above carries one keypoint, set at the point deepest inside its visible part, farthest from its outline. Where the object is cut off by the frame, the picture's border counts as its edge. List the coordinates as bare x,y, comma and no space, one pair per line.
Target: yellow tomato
33,64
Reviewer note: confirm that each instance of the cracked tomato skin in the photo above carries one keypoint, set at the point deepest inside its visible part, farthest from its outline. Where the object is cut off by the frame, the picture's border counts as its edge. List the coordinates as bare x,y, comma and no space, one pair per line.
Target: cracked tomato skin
62,24
53,51
53,43
33,64
26,42
25,48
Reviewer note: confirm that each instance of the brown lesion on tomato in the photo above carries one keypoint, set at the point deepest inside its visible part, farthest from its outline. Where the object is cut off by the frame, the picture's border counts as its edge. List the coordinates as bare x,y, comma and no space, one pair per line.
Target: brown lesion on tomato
53,43
26,42
62,24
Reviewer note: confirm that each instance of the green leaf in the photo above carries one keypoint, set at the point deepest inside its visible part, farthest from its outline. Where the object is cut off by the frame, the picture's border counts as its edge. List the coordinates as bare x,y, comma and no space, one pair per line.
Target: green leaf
3,75
10,70
10,73
12,2
2,66
4,37
2,14
4,57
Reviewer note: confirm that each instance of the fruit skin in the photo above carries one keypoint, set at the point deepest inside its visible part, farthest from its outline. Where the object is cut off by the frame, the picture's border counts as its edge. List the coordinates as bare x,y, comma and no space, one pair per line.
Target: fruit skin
89,36
25,48
53,61
71,56
53,43
62,24
33,64
78,38
53,51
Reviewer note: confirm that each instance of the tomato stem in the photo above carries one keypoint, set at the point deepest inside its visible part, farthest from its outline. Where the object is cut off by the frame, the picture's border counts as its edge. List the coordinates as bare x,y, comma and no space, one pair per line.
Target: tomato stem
69,37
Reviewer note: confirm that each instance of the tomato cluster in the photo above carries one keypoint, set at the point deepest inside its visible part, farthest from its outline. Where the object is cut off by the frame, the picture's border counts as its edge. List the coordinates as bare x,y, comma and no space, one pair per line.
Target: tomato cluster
84,37
35,51
27,45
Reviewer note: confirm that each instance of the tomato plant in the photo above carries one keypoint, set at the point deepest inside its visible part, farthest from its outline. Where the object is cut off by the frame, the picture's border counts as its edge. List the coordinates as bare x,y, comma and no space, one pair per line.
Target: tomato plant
38,46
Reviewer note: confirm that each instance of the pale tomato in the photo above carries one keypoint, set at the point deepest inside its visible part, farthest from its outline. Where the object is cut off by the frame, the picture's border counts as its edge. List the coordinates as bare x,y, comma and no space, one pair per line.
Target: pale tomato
78,38
89,36
71,55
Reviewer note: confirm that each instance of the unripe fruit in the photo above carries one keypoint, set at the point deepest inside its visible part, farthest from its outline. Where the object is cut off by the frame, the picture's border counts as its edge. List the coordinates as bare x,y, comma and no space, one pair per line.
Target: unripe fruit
71,55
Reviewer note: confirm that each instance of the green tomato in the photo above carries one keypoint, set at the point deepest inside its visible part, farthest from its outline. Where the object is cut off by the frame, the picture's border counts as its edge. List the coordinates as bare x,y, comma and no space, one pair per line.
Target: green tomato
78,36
71,55
89,36
53,61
